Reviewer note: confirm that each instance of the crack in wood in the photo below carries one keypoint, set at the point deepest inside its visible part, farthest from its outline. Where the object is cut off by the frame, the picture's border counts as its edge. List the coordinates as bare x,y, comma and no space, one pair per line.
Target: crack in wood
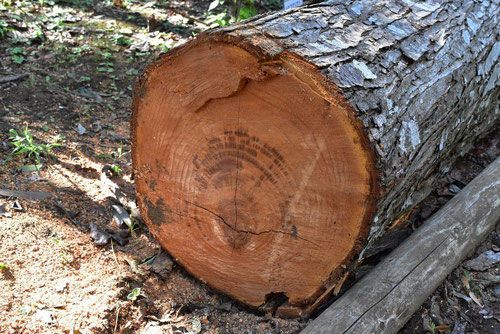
222,220
237,170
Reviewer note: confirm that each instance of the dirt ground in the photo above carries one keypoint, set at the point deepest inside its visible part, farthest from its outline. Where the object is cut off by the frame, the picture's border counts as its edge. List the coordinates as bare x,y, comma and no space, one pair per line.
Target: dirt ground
80,60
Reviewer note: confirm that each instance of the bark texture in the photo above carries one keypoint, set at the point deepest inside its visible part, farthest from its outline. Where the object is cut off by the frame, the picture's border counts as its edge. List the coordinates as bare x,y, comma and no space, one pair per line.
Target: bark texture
423,78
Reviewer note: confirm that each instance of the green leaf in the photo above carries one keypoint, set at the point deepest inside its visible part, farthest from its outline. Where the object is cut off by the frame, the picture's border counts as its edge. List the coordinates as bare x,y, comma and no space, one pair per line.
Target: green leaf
16,51
247,12
134,294
133,71
105,69
117,170
123,41
18,59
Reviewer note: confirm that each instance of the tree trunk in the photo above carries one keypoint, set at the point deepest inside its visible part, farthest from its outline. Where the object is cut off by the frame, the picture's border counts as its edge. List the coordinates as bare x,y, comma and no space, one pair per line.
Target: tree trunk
271,154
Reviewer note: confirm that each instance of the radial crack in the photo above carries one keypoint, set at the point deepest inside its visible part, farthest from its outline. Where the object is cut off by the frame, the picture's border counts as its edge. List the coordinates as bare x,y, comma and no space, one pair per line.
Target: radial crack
237,171
222,220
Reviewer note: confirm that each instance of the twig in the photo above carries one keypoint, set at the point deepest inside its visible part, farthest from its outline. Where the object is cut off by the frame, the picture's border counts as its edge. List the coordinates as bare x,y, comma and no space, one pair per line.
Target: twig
31,195
116,318
10,78
114,254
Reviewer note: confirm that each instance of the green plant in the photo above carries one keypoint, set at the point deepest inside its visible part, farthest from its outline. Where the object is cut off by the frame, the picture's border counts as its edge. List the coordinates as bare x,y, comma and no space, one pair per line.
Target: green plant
122,40
4,28
239,10
25,145
117,170
432,327
17,54
38,34
64,251
3,266
134,294
106,67
218,20
246,12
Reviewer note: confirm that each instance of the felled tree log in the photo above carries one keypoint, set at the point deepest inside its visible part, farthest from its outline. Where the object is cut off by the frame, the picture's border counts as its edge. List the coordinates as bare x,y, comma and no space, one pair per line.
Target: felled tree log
270,155
384,300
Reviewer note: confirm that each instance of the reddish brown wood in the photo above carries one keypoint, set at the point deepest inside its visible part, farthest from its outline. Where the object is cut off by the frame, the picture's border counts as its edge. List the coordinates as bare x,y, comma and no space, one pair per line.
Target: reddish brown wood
254,175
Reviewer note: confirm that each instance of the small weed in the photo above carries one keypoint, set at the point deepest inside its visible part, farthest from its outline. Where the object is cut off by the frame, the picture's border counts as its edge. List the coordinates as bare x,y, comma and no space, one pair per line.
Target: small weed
25,145
134,294
117,170
246,12
218,20
17,55
134,225
106,67
122,40
118,154
432,327
132,71
105,55
163,48
85,78
240,10
4,28
38,34
65,254
3,266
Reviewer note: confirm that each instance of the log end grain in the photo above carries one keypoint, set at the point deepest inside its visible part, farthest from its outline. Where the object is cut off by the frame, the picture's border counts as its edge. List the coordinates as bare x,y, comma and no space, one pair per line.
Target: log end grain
252,172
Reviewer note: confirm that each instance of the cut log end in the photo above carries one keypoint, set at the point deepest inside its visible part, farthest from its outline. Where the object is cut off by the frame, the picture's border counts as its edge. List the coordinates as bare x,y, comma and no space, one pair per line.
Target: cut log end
252,173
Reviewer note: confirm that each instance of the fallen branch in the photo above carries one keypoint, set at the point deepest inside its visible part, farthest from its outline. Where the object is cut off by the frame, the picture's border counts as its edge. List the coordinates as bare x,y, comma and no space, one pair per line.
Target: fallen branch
31,195
386,298
11,78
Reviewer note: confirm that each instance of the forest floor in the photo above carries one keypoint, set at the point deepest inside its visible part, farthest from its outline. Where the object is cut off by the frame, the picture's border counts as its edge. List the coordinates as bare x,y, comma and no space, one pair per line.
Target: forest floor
65,264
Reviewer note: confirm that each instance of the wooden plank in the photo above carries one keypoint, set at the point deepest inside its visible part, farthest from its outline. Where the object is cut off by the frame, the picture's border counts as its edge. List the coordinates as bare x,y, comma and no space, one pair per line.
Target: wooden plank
384,300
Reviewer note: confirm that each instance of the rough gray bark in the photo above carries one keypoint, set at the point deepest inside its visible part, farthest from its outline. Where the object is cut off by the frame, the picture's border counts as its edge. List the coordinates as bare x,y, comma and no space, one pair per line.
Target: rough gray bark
386,298
423,78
